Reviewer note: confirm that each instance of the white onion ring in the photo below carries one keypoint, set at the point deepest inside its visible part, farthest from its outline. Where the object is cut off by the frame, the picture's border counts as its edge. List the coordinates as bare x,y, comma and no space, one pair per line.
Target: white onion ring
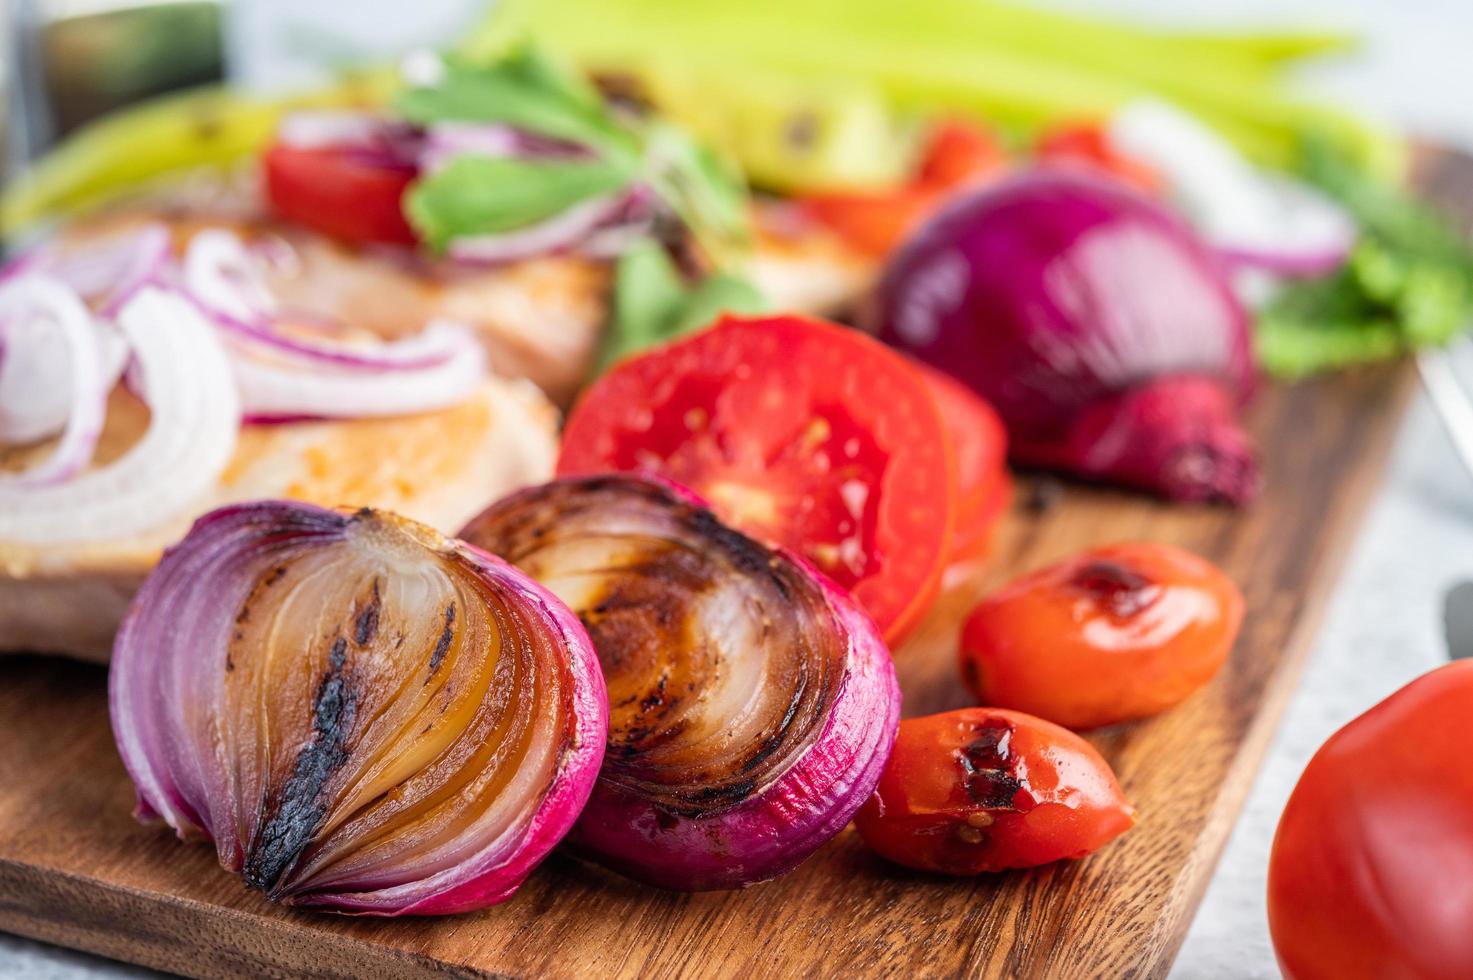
279,389
54,355
222,276
195,415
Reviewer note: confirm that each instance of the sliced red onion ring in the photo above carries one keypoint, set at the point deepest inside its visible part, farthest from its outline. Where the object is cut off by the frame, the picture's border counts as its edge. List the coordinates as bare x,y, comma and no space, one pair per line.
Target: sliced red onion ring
53,355
194,417
225,279
1256,219
107,271
558,234
448,140
277,388
753,705
360,714
377,138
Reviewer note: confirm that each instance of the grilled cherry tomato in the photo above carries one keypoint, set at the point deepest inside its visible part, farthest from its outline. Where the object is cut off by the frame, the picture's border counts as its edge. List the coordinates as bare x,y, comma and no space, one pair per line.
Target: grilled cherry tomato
340,191
799,432
982,481
983,789
1116,633
959,154
1088,144
1372,868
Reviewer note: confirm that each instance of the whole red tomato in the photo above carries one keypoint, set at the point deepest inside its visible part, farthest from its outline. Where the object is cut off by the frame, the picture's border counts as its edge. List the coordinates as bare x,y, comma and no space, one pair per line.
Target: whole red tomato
982,789
1110,635
1372,867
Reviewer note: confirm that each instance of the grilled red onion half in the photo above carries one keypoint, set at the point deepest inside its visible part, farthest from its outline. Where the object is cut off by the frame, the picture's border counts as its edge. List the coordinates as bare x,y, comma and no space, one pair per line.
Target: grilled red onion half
361,714
752,705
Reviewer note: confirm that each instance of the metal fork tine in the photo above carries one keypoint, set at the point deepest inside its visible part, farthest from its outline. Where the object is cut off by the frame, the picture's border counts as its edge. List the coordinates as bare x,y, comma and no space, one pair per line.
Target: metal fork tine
1451,400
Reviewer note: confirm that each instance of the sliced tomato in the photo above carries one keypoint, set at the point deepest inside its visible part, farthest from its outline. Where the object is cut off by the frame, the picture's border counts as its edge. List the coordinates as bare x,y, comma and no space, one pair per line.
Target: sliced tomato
979,439
982,789
340,191
959,154
1088,145
799,432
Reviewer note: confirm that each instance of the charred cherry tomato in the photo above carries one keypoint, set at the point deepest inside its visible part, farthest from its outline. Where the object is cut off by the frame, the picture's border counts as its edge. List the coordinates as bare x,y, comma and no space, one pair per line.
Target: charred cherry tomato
982,481
958,155
1088,144
799,432
1372,867
340,191
984,789
1114,634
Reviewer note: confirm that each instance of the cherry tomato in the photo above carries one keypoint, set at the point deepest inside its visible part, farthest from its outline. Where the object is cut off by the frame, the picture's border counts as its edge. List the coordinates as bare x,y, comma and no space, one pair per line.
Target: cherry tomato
982,481
959,154
983,789
1088,144
1113,634
341,192
800,432
1372,868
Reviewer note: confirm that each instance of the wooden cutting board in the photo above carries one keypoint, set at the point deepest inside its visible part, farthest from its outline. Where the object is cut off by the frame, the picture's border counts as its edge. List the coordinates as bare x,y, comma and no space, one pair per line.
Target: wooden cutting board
76,869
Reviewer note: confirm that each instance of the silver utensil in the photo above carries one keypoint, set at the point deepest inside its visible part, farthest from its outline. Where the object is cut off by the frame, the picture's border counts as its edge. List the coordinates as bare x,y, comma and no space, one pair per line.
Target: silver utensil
1450,399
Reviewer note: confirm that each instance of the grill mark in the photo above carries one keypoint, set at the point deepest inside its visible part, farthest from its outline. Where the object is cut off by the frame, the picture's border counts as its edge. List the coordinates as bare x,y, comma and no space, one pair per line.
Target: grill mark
989,770
367,626
442,646
299,809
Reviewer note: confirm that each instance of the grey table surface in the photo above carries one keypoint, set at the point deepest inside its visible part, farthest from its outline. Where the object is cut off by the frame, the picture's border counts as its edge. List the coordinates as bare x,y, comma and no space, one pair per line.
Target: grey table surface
1384,625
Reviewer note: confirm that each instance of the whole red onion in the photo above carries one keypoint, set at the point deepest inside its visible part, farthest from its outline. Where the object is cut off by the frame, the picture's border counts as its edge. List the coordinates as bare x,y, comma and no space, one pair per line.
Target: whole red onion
1097,324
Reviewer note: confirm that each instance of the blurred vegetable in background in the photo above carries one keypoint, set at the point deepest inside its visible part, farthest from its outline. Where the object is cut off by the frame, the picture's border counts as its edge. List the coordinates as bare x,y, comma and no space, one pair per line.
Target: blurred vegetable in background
1015,66
1408,284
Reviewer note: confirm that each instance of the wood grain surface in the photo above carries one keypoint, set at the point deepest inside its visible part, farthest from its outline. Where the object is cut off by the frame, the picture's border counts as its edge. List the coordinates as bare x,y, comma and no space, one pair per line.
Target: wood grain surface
76,869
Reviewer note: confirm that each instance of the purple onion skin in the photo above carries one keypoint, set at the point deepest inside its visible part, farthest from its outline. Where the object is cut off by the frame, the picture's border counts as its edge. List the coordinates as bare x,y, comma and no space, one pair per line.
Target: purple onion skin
171,790
781,824
1064,298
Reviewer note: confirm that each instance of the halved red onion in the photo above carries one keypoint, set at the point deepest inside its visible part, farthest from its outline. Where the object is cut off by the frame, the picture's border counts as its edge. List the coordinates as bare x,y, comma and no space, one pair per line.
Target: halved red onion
53,356
752,705
361,714
194,416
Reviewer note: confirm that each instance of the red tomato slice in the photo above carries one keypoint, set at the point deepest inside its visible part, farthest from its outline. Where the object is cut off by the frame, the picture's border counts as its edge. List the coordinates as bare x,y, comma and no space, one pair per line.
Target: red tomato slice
982,481
340,192
958,155
797,431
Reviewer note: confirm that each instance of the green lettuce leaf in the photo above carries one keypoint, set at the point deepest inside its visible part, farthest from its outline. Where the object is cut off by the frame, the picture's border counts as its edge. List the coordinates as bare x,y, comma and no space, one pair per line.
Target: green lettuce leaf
475,195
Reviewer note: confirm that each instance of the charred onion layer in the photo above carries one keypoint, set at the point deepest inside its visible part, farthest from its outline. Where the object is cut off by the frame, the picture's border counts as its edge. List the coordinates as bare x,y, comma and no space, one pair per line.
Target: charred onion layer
752,706
361,714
